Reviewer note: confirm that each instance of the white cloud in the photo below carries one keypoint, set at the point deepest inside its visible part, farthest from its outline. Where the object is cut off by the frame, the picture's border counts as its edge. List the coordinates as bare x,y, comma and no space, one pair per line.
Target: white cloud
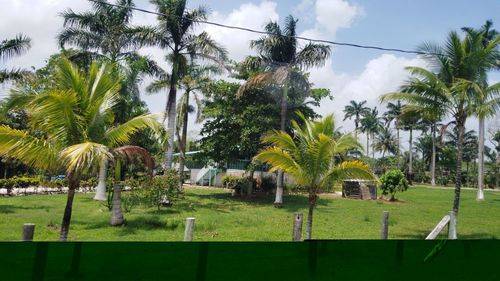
331,15
40,21
248,15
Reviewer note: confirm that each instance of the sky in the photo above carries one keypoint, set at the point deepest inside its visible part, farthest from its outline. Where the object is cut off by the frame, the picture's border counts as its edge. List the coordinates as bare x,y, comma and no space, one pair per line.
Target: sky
350,73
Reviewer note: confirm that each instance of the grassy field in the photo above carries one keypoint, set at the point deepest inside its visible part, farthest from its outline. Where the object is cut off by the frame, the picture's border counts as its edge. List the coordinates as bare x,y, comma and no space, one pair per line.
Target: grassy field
219,217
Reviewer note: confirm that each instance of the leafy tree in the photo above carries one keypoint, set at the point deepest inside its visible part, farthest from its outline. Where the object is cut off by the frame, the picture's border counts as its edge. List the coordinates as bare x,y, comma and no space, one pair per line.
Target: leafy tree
310,157
393,113
73,120
356,110
385,142
392,182
281,62
175,33
10,48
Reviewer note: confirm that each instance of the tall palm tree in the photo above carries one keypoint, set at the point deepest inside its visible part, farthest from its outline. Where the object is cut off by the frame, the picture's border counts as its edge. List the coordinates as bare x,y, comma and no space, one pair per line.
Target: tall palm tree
192,83
356,110
10,48
371,124
385,142
72,127
486,100
458,60
105,33
311,158
393,114
175,33
281,62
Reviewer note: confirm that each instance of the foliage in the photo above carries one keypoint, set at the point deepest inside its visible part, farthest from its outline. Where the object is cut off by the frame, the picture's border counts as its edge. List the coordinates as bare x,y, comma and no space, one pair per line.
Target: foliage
10,48
393,181
158,188
19,182
230,181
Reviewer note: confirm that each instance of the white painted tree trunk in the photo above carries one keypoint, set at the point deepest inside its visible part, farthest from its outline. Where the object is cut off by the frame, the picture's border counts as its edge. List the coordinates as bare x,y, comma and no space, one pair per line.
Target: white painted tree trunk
278,201
100,193
410,168
480,170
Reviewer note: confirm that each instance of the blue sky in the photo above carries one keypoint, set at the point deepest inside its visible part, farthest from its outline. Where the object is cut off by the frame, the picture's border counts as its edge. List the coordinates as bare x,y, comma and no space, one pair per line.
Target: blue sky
350,73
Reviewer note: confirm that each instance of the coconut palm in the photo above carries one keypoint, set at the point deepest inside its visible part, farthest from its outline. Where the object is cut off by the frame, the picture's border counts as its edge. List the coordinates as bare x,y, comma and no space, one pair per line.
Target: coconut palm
356,110
175,33
310,157
73,125
280,61
458,60
486,100
385,142
192,82
371,124
106,34
10,48
393,114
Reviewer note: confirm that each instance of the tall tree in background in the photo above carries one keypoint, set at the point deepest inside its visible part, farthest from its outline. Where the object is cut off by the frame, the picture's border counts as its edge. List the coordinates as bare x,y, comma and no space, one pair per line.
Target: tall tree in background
356,110
105,33
393,114
10,48
175,33
371,124
281,62
385,141
311,158
487,98
193,82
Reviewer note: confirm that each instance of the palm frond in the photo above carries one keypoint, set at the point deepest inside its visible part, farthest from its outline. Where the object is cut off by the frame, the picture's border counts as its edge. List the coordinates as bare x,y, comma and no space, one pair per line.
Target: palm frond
83,156
121,134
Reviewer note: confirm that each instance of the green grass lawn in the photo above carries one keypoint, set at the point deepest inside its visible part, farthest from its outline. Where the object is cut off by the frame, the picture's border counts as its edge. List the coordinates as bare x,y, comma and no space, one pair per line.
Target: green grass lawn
219,217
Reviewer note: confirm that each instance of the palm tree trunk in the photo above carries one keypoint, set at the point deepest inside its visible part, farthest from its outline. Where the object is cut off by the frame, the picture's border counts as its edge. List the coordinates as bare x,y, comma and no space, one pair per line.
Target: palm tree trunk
373,150
367,145
410,166
183,141
480,170
398,152
497,174
100,193
458,180
278,201
116,212
171,114
433,157
73,183
312,203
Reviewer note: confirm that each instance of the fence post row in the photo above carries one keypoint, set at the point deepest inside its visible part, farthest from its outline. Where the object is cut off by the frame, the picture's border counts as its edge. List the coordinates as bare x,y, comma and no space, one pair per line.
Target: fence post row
188,232
384,233
297,226
28,231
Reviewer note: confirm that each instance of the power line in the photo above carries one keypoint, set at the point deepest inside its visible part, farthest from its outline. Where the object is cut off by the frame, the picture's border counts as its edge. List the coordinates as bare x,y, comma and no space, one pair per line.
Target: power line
269,33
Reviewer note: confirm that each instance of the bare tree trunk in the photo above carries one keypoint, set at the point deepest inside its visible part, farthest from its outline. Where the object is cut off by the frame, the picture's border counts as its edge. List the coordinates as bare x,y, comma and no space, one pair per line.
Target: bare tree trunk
410,166
373,150
480,169
116,212
367,145
100,192
278,201
171,112
182,144
433,157
312,202
72,186
458,180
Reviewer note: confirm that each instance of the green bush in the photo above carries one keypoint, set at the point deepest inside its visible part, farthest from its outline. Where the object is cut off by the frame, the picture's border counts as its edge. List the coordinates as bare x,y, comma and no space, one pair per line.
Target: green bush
161,190
268,184
19,182
392,182
230,181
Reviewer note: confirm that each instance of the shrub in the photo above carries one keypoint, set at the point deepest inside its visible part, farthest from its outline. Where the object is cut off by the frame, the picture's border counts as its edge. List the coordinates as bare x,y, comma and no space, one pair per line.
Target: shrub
392,182
229,181
19,182
268,184
161,190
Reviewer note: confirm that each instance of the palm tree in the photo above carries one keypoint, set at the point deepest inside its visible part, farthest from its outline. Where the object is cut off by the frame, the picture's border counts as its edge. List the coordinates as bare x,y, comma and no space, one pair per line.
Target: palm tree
72,127
175,32
311,158
459,60
356,110
385,142
281,62
105,34
10,48
486,100
192,82
371,124
393,114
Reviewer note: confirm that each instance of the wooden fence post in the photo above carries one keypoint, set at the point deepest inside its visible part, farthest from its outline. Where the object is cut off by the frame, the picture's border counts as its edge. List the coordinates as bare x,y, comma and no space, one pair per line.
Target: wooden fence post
188,232
384,233
28,231
452,226
297,226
